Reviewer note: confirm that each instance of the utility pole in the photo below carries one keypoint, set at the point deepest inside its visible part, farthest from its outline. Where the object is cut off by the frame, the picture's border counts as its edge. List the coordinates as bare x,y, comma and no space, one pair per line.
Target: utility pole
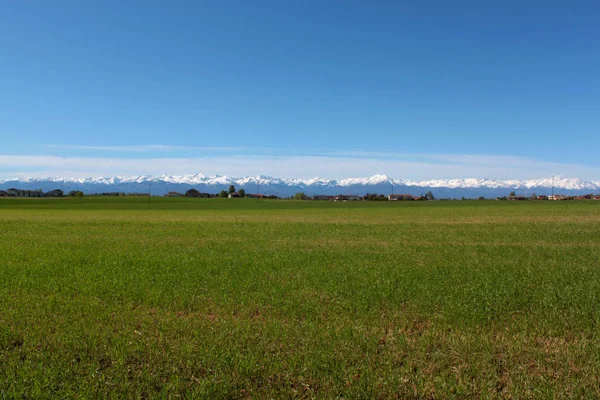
258,190
61,190
552,187
149,192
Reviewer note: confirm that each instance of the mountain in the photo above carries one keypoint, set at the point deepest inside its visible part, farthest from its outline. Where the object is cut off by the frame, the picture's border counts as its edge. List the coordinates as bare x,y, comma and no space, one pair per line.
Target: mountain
453,188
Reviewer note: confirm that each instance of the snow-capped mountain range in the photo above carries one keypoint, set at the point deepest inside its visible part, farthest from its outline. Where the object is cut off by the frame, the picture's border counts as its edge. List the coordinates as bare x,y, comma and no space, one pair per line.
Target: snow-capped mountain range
470,187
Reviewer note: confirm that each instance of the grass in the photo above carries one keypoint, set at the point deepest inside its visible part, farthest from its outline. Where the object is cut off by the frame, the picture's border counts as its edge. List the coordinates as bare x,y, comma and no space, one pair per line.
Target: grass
219,298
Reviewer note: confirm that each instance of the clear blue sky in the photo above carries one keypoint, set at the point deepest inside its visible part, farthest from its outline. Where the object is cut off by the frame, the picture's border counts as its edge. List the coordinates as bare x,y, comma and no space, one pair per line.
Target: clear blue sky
384,81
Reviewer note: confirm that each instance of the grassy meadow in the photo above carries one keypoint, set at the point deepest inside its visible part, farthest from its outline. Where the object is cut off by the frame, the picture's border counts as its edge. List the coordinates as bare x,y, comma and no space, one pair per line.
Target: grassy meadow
228,299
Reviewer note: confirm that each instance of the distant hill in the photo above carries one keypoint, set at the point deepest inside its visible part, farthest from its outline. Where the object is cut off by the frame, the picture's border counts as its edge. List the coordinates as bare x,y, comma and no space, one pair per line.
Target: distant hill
454,188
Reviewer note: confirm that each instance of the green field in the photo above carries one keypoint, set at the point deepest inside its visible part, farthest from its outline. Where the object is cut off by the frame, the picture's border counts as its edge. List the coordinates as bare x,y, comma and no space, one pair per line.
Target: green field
219,298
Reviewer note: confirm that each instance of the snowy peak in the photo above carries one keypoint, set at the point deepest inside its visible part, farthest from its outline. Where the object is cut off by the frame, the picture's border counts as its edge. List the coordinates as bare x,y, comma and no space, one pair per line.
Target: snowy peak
373,180
376,183
559,182
466,183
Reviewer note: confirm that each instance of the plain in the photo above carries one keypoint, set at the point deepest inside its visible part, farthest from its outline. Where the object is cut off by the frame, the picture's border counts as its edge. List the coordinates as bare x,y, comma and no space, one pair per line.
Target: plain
220,298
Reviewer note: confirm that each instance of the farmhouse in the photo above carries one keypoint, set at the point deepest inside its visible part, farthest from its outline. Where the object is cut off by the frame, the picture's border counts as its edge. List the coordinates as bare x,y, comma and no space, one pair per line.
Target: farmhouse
322,197
597,197
542,197
558,197
254,196
395,197
234,195
519,198
3,193
344,197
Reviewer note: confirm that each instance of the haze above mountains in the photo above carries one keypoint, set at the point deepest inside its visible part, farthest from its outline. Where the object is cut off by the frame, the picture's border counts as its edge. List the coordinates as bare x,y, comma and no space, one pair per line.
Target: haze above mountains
452,188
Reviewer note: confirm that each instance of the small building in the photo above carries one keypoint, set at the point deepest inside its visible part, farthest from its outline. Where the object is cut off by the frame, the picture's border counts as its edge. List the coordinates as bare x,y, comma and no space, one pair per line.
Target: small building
344,197
519,198
597,197
542,197
558,197
234,195
254,196
396,197
322,197
3,193
174,194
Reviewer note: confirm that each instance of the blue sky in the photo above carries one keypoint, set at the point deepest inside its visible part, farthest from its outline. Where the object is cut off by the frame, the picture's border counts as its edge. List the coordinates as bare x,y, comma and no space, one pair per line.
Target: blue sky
332,88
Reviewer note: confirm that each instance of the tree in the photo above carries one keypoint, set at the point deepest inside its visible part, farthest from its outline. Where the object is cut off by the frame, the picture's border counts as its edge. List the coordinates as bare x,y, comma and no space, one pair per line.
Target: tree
533,196
481,198
52,193
300,196
231,189
430,196
223,193
75,193
512,193
192,193
242,192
